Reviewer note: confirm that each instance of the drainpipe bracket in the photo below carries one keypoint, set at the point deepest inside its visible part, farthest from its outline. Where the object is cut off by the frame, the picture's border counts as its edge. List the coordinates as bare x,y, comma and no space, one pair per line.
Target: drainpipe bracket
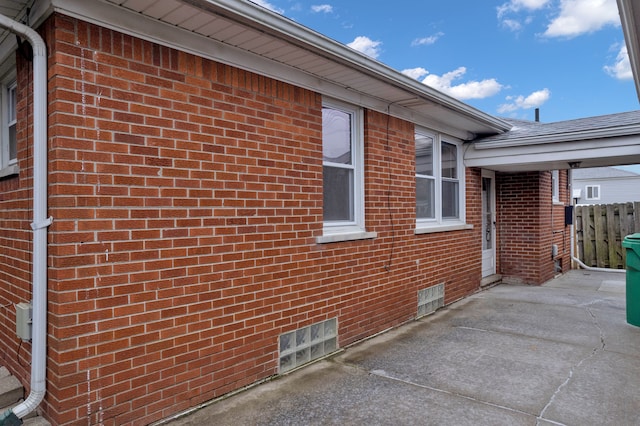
42,224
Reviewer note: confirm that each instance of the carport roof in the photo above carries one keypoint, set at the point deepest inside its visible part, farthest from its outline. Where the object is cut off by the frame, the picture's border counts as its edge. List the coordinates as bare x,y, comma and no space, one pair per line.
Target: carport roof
533,132
606,140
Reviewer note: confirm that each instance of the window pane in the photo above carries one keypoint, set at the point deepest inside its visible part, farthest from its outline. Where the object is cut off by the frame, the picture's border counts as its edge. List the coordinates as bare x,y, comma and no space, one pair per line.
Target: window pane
12,143
425,198
336,136
450,207
449,161
12,103
11,106
338,194
424,155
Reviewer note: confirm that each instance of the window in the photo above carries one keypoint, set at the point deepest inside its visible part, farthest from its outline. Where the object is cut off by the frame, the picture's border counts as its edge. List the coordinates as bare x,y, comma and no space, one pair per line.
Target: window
439,181
593,192
8,145
342,160
555,186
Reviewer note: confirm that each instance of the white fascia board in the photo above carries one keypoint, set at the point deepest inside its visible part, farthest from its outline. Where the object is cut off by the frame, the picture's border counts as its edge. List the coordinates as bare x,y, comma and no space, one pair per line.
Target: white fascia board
562,137
563,152
135,24
627,12
313,41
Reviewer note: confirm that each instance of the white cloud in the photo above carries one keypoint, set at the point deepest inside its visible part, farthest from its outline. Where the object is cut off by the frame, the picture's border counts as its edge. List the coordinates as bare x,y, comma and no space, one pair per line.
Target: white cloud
512,24
515,7
518,5
427,40
416,73
534,100
468,90
621,68
578,17
324,8
366,45
267,5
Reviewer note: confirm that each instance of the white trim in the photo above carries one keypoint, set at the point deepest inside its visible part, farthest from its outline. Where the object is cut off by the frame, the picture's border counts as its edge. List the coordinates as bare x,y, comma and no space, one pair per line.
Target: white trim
346,236
357,158
439,222
555,186
488,270
629,19
443,228
244,13
588,153
8,165
592,187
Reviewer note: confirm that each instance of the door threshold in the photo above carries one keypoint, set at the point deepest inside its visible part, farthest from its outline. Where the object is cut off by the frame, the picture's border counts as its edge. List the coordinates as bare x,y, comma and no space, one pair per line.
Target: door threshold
490,280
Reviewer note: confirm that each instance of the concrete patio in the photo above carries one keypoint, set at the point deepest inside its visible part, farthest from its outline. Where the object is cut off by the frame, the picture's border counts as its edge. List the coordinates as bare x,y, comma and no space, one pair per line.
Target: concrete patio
559,354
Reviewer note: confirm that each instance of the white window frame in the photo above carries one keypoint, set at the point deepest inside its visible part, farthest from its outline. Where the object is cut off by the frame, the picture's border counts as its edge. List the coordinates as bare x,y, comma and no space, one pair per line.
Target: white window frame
555,186
592,187
8,117
439,223
334,231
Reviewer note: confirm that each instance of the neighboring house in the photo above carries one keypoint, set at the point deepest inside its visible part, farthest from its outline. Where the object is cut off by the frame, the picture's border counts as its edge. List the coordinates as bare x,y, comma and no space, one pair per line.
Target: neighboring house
605,185
198,196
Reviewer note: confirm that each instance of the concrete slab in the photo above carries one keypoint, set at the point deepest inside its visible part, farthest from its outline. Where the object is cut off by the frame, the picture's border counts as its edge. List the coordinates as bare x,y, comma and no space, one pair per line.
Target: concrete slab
613,286
560,354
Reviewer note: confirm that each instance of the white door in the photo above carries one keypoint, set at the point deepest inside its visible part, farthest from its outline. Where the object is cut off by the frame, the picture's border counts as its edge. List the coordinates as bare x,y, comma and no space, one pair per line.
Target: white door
488,223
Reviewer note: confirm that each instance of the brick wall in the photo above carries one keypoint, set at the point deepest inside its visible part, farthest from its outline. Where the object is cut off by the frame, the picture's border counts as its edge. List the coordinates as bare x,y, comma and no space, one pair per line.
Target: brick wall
529,223
187,196
16,215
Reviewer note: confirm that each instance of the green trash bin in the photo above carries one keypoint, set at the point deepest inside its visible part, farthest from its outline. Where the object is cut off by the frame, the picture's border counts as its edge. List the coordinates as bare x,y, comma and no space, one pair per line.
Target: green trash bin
632,244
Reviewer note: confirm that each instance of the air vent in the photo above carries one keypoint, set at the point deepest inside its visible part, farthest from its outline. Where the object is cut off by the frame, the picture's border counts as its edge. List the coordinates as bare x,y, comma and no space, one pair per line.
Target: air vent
430,299
307,344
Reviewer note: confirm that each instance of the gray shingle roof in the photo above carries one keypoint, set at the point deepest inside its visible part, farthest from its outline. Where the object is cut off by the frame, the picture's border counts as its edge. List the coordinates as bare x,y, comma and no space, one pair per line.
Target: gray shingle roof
523,129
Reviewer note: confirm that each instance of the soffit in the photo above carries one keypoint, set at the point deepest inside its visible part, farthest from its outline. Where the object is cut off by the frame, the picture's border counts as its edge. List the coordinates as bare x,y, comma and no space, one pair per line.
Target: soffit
16,10
243,25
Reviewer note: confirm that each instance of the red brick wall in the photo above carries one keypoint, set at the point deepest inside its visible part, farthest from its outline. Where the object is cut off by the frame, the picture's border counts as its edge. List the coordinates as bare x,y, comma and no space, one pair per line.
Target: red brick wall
187,196
16,215
529,223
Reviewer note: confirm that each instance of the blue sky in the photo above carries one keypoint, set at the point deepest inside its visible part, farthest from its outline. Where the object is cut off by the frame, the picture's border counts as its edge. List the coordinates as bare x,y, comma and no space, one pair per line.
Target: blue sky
505,57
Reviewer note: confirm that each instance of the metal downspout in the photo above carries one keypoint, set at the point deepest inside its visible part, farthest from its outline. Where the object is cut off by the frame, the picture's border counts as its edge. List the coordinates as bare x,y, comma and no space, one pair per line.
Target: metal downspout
40,219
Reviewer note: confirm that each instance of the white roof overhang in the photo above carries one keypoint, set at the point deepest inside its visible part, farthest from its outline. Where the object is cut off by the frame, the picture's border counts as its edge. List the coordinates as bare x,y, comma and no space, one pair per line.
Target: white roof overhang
630,18
564,151
239,33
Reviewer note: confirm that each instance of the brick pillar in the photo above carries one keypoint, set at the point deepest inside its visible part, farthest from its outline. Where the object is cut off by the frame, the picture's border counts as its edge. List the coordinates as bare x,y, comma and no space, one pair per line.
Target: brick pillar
525,231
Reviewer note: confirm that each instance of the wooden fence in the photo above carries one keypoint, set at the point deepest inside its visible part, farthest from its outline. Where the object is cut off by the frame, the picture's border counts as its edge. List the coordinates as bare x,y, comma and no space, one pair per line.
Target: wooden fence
600,230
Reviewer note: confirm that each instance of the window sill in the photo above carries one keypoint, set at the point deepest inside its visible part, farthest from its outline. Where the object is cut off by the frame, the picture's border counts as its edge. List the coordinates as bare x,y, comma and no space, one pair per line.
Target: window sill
443,228
346,236
9,171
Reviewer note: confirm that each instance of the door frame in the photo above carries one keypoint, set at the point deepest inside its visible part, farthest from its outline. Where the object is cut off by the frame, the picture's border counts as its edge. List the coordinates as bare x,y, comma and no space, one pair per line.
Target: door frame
491,269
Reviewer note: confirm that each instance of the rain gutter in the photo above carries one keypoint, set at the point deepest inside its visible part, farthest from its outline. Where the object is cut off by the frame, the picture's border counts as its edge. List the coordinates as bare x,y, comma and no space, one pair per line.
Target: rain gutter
39,225
298,35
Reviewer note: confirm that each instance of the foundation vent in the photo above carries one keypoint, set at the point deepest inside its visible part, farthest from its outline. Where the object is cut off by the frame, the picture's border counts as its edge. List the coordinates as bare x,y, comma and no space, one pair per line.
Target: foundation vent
307,344
430,299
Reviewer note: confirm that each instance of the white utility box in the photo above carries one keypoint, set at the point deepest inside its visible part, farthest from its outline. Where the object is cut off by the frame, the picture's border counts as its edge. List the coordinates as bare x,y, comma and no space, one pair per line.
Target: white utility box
23,320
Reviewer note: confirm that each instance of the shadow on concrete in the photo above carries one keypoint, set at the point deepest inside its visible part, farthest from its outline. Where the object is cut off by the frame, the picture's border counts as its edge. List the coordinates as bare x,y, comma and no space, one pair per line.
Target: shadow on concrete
559,354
